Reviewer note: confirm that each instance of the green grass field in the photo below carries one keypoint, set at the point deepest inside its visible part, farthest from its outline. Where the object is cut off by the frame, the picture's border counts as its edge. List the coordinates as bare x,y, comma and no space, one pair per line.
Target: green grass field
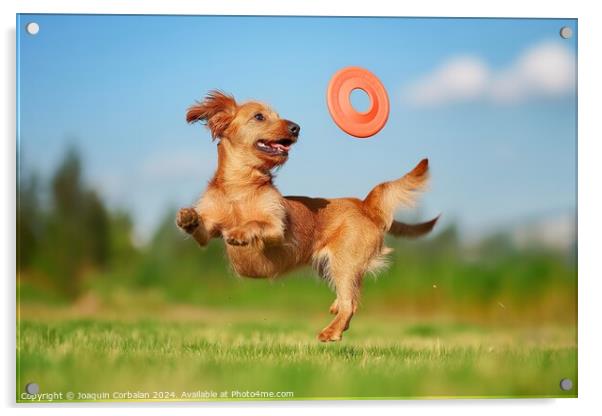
182,350
100,312
169,320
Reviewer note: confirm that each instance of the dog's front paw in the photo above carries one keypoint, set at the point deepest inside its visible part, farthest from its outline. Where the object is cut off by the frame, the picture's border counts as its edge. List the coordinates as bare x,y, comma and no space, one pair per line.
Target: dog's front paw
239,237
187,219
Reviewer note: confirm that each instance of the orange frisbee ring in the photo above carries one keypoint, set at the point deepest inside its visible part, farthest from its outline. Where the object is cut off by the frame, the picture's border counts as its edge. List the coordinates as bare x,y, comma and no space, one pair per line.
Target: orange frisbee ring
358,124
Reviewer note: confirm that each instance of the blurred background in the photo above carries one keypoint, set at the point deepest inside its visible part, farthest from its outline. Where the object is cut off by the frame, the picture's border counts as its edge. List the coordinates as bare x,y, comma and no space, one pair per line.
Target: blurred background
73,249
105,158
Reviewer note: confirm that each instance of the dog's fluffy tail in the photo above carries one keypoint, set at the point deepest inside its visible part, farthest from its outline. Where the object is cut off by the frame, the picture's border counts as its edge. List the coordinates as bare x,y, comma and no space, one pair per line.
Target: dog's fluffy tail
382,201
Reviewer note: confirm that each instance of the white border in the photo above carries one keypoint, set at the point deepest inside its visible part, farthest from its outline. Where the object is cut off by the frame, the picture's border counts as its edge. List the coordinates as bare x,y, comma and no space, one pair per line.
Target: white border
461,8
590,207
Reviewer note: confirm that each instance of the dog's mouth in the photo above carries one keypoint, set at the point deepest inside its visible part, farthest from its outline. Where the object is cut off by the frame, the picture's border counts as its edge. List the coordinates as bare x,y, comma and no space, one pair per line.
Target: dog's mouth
279,147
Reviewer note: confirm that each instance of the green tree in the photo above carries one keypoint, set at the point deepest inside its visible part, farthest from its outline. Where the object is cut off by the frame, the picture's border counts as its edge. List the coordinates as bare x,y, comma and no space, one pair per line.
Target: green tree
77,238
29,220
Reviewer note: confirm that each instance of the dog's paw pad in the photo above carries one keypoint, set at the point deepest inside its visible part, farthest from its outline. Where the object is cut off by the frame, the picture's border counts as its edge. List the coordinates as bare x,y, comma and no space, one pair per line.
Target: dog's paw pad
236,242
187,219
240,237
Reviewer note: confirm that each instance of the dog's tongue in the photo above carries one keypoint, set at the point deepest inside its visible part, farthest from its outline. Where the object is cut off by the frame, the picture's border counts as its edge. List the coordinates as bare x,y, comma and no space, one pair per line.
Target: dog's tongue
280,147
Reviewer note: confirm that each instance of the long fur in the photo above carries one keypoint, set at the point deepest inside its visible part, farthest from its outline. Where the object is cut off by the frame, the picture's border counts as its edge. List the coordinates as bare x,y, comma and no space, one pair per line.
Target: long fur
386,197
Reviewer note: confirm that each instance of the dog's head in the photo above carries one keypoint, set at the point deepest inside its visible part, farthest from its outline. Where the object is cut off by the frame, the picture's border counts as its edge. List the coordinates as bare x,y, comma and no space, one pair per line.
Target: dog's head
253,130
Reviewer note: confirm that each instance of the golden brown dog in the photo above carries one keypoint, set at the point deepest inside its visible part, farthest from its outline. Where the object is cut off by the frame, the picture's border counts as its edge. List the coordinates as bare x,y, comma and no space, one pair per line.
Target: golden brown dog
268,234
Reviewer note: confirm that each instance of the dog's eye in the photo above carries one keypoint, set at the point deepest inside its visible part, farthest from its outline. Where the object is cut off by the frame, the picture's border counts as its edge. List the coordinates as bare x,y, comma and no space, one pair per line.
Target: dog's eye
259,117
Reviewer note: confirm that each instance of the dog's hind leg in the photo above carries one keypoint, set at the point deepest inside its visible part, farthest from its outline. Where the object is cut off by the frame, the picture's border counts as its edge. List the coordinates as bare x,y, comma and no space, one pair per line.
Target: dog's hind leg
334,307
348,290
343,261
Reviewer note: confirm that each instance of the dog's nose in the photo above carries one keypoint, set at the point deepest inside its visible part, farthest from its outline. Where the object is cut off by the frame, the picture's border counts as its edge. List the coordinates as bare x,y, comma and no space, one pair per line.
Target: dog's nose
293,128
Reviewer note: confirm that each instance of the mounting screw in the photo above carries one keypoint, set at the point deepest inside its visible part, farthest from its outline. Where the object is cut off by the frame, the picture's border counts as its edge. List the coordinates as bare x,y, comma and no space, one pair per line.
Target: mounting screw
566,384
32,28
566,32
32,388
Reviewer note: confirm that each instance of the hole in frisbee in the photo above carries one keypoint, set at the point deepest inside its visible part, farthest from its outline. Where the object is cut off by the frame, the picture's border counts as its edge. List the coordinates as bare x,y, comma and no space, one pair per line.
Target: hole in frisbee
360,100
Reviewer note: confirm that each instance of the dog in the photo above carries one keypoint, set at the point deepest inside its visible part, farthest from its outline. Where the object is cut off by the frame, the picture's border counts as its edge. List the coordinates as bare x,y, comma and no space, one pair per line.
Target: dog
268,234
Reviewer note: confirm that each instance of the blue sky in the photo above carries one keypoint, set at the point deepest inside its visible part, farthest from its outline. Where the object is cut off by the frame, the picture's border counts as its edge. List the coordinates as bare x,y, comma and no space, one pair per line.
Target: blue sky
491,102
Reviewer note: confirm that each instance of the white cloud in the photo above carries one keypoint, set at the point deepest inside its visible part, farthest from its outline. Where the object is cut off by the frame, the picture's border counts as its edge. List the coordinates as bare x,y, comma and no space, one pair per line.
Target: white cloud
544,70
461,78
177,165
164,172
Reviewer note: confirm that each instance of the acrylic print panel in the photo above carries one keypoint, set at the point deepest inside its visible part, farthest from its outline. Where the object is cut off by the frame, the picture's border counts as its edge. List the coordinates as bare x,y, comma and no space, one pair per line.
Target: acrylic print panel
452,277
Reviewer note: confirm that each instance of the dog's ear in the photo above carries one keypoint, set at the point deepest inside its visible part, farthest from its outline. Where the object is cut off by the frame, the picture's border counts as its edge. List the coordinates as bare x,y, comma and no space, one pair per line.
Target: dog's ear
217,110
